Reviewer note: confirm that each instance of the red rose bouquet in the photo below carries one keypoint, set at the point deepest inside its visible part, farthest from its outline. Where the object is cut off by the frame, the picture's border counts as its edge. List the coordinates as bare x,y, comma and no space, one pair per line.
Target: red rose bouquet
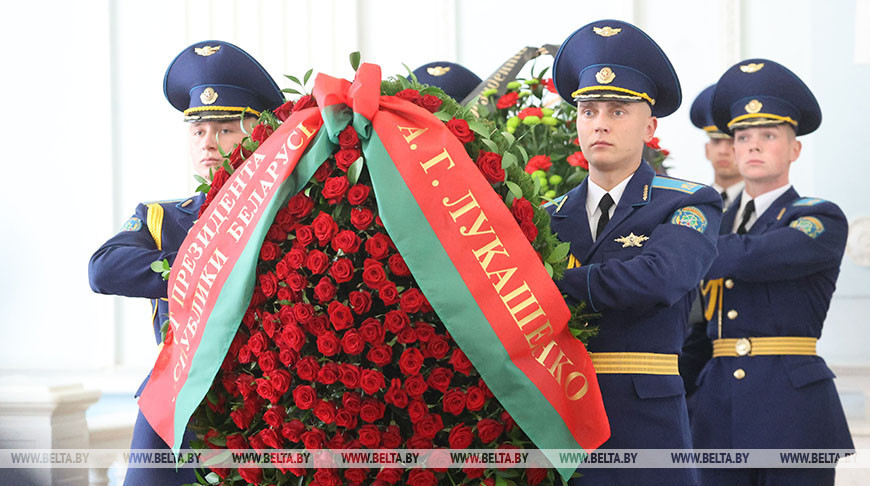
339,348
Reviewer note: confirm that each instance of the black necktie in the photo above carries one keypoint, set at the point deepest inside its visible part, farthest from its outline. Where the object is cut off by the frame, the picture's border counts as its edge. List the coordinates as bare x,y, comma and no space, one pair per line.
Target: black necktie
747,213
724,195
604,205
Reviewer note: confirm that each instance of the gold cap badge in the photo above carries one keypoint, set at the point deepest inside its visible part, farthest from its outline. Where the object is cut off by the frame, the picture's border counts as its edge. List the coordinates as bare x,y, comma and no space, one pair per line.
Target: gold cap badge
605,76
606,31
208,96
206,50
752,67
437,70
753,106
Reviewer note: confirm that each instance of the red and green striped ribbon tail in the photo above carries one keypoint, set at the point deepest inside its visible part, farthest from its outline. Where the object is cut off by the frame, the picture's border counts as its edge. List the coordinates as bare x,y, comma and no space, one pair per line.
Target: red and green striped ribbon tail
461,243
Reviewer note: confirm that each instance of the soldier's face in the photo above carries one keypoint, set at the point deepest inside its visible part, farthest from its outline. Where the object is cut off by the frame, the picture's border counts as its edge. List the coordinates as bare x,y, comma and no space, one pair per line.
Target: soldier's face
612,134
205,137
764,154
720,153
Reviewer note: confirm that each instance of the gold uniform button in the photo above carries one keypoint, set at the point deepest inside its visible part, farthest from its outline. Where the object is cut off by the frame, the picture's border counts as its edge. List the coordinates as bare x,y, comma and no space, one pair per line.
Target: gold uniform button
729,284
732,314
739,374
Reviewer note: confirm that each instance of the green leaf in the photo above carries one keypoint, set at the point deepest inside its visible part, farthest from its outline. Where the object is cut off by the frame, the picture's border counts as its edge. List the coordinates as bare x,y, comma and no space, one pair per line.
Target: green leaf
507,160
157,266
355,170
200,179
411,73
500,481
227,167
483,111
525,154
204,188
212,478
509,137
559,253
354,60
478,128
490,145
293,78
443,116
549,269
514,188
307,75
291,91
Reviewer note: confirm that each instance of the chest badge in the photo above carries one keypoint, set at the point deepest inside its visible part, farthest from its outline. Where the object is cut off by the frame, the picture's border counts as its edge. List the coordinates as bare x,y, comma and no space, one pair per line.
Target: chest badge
631,240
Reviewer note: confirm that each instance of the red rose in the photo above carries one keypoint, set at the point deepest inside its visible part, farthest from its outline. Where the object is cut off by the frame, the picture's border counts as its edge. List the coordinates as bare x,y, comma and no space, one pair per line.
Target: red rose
257,343
370,436
411,300
395,321
345,157
390,475
283,111
329,373
352,343
324,228
295,258
251,475
539,162
328,344
453,401
507,420
239,155
389,293
307,368
371,410
245,384
281,381
358,193
460,362
349,375
419,442
361,218
300,205
460,437
372,381
507,100
373,274
268,284
352,401
409,94
339,315
653,143
489,164
324,291
347,241
304,396
345,419
398,266
304,235
323,171
317,261
489,430
380,354
429,426
245,354
438,347
529,230
459,129
237,441
548,83
407,335
530,111
270,438
422,477
417,409
391,438
293,337
535,476
276,234
261,132
286,315
334,189
296,281
288,357
348,138
439,379
522,210
396,395
269,251
292,430
314,438
372,331
430,102
577,159
241,419
411,361
303,312
378,246
360,301
268,360
485,388
324,411
306,101
415,385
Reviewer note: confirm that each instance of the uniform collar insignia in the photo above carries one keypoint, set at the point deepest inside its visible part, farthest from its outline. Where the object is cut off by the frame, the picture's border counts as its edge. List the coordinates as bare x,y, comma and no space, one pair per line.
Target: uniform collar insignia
631,240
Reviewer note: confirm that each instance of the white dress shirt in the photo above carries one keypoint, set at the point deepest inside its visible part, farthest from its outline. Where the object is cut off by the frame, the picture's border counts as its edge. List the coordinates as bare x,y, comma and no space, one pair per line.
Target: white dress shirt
762,202
594,194
732,191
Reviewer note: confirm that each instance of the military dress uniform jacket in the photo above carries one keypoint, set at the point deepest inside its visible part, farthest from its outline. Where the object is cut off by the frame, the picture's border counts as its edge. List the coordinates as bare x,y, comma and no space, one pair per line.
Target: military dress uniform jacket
640,273
122,266
774,281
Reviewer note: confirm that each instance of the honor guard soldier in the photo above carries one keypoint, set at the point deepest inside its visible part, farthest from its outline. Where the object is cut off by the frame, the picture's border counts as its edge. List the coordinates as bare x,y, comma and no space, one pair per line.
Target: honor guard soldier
454,79
768,291
217,86
728,182
640,243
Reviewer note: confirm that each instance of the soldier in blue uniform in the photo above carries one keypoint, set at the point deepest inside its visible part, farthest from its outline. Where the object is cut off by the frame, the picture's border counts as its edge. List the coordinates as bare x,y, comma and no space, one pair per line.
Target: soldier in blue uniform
218,87
454,79
640,243
768,291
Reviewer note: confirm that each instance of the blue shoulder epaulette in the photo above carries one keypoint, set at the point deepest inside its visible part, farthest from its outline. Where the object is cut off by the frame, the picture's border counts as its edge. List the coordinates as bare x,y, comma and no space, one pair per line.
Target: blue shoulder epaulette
807,201
661,182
